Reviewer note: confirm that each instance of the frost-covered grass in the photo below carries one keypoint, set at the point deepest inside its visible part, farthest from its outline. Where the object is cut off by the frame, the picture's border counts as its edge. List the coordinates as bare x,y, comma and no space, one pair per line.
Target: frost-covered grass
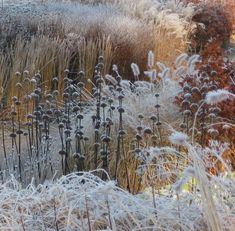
84,202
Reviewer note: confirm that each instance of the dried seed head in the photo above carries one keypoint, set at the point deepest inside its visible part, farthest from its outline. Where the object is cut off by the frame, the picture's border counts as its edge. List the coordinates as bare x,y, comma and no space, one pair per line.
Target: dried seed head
17,74
138,137
101,59
187,96
213,132
140,116
13,135
80,116
213,73
183,125
38,76
61,125
76,155
81,74
121,132
33,81
14,98
62,152
26,73
195,90
19,85
66,71
194,107
86,138
121,110
106,139
80,85
148,131
139,128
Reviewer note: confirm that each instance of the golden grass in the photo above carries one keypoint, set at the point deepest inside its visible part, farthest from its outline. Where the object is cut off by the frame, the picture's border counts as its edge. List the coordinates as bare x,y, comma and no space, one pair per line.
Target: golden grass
57,44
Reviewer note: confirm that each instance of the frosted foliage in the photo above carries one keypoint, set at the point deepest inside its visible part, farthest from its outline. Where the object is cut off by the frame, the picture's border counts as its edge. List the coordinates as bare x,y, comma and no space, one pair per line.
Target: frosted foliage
68,203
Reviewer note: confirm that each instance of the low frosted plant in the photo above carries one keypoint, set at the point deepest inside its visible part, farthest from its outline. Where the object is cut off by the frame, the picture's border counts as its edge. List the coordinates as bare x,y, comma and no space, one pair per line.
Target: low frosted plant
80,201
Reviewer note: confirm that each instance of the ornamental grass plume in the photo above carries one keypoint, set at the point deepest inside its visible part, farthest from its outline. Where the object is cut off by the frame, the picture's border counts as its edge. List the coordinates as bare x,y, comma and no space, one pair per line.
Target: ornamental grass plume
217,96
178,138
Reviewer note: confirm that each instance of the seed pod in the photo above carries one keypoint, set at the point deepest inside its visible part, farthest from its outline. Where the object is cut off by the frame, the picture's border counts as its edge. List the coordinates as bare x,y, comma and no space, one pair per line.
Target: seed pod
119,79
213,132
99,81
185,103
67,131
138,137
195,90
106,139
19,132
68,139
61,125
121,132
121,110
86,138
103,104
194,107
212,115
96,145
137,150
45,117
29,116
13,135
213,73
119,89
80,85
187,96
183,125
17,103
139,128
148,131
14,98
19,85
76,155
80,116
153,118
62,152
37,91
66,95
120,97
37,113
186,87
13,113
154,137
187,112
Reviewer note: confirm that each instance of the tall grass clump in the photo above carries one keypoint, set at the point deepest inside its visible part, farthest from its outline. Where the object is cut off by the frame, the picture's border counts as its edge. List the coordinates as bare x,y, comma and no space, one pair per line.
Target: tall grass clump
86,31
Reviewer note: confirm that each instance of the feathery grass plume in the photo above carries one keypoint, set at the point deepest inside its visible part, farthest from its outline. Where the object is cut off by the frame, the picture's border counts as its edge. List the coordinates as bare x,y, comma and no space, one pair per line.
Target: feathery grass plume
135,70
150,59
178,138
180,59
217,96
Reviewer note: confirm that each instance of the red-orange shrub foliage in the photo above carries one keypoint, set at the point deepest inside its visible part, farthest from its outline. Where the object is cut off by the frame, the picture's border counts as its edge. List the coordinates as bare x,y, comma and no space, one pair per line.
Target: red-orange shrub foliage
212,25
